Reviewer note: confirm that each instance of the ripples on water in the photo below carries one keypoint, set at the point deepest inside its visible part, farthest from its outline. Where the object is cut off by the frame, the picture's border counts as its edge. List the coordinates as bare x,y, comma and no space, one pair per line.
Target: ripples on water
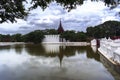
52,62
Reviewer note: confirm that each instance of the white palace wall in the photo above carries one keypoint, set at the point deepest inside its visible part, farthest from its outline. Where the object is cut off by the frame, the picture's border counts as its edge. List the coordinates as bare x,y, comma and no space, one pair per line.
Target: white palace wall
110,49
51,39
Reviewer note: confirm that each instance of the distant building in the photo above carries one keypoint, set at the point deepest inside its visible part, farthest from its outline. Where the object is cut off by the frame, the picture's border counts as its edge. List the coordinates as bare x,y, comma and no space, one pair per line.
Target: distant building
60,28
54,38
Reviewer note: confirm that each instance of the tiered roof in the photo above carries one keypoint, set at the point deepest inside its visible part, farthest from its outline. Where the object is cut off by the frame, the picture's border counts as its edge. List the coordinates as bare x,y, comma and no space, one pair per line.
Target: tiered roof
60,28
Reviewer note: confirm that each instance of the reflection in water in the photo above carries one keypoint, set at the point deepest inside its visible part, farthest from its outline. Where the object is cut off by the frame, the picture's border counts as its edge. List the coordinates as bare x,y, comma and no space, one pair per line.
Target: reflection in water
18,48
109,67
3,48
92,54
40,62
94,48
52,48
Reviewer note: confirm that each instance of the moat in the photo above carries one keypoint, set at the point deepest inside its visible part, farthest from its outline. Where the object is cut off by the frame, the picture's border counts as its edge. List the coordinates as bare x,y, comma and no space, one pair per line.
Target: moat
53,62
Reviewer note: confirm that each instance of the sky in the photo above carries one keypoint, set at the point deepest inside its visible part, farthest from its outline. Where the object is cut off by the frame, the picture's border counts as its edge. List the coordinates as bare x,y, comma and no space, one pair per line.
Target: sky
86,15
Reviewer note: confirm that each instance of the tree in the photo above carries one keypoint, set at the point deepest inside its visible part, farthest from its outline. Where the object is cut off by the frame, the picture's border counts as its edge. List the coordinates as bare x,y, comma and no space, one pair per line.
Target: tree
68,35
74,36
5,38
50,31
107,29
90,31
81,36
0,37
17,37
12,9
68,4
35,37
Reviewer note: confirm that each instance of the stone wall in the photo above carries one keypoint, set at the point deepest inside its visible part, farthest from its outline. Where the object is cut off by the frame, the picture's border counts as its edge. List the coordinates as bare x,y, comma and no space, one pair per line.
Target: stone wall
51,39
110,49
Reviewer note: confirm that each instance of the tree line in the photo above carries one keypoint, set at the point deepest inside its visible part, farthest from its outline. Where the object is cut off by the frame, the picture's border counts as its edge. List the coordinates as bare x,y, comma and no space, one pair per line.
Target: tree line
34,37
107,29
38,35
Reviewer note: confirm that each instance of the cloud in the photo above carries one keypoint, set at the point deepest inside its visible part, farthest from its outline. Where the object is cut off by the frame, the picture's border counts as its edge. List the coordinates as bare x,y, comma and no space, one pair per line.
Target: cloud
88,14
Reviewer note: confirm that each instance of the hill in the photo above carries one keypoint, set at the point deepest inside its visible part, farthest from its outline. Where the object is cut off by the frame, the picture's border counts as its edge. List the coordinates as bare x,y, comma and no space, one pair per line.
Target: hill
107,29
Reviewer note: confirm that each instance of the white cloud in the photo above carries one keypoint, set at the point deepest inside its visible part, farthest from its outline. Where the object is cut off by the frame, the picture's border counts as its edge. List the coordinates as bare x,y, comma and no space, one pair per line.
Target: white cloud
88,14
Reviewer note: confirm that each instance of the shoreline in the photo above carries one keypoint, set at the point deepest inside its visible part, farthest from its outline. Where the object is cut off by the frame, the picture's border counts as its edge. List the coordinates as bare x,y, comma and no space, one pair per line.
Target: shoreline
10,43
68,43
50,43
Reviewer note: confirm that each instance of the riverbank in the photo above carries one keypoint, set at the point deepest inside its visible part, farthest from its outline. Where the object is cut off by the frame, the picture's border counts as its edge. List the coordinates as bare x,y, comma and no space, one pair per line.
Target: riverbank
68,43
50,43
10,43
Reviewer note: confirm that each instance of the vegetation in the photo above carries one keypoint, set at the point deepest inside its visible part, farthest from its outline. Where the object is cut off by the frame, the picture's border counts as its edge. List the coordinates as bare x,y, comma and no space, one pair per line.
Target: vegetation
68,35
16,38
35,37
74,36
5,38
38,35
10,10
50,31
107,29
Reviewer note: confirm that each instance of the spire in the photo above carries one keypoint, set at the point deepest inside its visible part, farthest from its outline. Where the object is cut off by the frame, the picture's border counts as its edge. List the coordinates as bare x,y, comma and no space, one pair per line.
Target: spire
60,28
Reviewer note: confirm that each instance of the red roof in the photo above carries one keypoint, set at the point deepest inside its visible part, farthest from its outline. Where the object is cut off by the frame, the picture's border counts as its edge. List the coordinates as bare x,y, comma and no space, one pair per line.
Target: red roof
115,37
60,28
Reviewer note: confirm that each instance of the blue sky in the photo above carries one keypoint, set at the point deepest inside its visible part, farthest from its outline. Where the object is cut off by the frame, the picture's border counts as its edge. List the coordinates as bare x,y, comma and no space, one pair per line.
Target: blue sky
88,14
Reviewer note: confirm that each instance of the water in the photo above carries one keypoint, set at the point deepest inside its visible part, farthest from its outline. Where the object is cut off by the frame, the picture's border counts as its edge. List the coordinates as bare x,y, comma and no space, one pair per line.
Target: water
52,62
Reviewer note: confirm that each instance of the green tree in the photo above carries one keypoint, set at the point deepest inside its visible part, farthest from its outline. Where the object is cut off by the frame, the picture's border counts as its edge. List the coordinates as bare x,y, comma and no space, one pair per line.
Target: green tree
35,36
68,35
12,9
0,37
81,36
74,36
51,31
90,31
5,38
68,4
107,29
17,38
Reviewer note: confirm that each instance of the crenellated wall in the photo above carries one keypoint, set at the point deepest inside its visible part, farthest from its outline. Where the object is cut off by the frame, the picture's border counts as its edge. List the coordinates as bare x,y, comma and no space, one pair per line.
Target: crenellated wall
51,39
110,49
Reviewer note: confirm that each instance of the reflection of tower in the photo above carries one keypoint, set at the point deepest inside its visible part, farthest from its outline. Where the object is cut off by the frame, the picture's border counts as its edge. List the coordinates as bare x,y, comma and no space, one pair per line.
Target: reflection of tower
60,30
60,56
